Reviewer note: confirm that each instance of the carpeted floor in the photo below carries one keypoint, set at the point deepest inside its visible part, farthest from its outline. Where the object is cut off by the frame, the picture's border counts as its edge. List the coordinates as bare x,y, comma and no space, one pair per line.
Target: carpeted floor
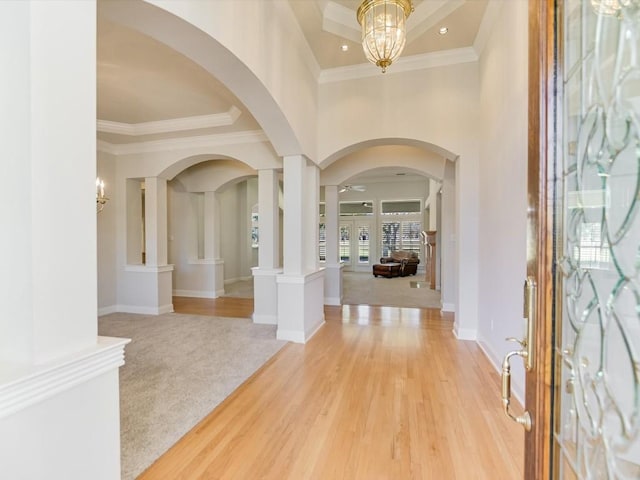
365,289
178,369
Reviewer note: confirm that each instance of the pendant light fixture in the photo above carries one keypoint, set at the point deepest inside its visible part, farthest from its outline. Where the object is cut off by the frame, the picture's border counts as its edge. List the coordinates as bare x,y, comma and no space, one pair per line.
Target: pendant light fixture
383,29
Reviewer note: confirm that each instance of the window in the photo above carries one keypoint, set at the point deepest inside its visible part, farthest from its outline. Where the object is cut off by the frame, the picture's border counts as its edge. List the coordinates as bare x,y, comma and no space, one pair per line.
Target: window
356,208
401,234
363,244
322,244
345,243
400,207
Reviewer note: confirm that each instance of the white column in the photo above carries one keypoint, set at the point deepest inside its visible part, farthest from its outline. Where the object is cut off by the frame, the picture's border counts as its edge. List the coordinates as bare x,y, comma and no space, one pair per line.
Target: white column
434,188
212,263
301,287
211,226
269,219
333,267
155,213
147,288
265,289
447,243
311,217
59,407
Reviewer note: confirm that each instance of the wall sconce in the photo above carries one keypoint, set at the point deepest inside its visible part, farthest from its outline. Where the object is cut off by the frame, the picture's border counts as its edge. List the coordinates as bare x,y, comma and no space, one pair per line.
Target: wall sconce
101,200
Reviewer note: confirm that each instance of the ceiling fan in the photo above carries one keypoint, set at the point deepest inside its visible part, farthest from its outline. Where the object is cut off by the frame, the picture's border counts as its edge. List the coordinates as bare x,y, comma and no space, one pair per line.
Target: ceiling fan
352,188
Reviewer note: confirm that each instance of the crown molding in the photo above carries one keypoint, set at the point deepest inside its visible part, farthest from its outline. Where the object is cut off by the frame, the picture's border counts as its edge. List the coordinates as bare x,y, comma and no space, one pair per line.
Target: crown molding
486,25
429,14
201,141
171,125
404,64
341,21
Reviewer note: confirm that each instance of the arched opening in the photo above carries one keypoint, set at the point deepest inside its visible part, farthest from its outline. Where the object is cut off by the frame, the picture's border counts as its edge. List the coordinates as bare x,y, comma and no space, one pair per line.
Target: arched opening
387,195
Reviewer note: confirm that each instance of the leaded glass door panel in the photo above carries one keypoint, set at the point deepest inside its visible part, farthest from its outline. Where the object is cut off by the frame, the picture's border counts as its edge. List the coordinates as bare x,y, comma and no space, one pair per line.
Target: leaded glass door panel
597,333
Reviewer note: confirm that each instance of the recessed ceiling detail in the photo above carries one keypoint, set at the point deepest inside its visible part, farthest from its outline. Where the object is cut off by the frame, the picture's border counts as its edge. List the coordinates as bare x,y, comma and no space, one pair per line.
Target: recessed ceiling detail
171,125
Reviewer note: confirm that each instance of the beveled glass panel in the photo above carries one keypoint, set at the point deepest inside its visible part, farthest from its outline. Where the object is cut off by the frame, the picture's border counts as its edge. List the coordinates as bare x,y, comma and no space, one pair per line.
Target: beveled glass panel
597,348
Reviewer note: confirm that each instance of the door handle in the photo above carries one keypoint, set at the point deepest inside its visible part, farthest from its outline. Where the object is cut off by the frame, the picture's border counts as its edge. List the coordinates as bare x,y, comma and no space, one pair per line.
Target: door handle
525,418
526,353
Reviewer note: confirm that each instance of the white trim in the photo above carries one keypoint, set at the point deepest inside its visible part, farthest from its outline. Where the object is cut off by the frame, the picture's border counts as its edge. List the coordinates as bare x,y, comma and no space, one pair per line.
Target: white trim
464,333
148,268
171,125
486,25
146,310
428,14
303,278
263,319
299,336
237,279
265,272
168,144
337,301
205,261
198,293
517,387
404,64
448,307
107,310
34,384
339,20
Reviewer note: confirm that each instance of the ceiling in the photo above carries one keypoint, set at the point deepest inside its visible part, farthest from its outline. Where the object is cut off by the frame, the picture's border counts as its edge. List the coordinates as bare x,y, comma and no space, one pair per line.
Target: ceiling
147,91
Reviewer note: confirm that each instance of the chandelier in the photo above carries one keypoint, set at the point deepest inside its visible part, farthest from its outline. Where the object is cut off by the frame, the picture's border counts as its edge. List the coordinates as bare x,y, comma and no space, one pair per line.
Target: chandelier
101,200
609,7
383,29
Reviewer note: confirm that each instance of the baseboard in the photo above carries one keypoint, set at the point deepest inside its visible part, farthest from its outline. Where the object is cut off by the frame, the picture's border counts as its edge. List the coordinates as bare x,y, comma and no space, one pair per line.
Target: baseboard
298,336
265,319
146,310
448,307
517,388
238,279
197,293
107,310
465,333
333,301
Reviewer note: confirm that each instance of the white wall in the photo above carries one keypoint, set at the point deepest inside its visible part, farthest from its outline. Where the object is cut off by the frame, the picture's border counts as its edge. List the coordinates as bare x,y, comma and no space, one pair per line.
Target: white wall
107,274
235,241
503,187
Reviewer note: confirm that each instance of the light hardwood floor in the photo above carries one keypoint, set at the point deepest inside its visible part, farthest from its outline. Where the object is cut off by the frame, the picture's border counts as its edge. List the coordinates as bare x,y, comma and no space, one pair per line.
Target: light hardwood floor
378,393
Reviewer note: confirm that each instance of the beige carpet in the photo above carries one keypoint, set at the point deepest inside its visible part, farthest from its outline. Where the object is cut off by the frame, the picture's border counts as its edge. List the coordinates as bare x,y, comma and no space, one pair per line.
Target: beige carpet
365,289
178,369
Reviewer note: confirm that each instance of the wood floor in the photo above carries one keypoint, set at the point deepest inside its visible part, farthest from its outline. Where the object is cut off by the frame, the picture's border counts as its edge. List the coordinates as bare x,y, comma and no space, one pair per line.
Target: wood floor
378,393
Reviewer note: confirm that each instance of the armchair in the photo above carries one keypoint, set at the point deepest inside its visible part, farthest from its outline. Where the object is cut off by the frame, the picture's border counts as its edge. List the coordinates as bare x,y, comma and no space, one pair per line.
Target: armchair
408,261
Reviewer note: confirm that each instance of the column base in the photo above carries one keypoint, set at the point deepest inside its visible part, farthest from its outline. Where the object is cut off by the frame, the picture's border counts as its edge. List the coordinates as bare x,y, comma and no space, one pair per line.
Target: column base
333,284
300,306
265,295
146,289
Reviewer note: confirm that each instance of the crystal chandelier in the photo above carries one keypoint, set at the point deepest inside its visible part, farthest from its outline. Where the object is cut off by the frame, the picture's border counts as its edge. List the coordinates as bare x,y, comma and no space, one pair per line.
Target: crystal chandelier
101,200
383,29
609,7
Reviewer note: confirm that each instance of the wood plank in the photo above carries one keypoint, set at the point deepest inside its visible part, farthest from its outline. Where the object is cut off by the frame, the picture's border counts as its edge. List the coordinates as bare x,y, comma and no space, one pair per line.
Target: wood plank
378,392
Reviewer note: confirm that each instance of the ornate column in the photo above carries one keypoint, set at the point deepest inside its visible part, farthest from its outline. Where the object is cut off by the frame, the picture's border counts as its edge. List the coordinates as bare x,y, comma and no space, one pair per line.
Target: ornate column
265,289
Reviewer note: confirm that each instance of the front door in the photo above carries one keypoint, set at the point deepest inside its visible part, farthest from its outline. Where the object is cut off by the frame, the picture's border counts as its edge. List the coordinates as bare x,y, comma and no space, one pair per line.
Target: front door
583,385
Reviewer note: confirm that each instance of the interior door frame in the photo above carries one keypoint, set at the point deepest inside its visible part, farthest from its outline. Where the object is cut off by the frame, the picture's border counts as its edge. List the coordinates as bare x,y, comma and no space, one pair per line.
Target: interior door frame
354,264
544,72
